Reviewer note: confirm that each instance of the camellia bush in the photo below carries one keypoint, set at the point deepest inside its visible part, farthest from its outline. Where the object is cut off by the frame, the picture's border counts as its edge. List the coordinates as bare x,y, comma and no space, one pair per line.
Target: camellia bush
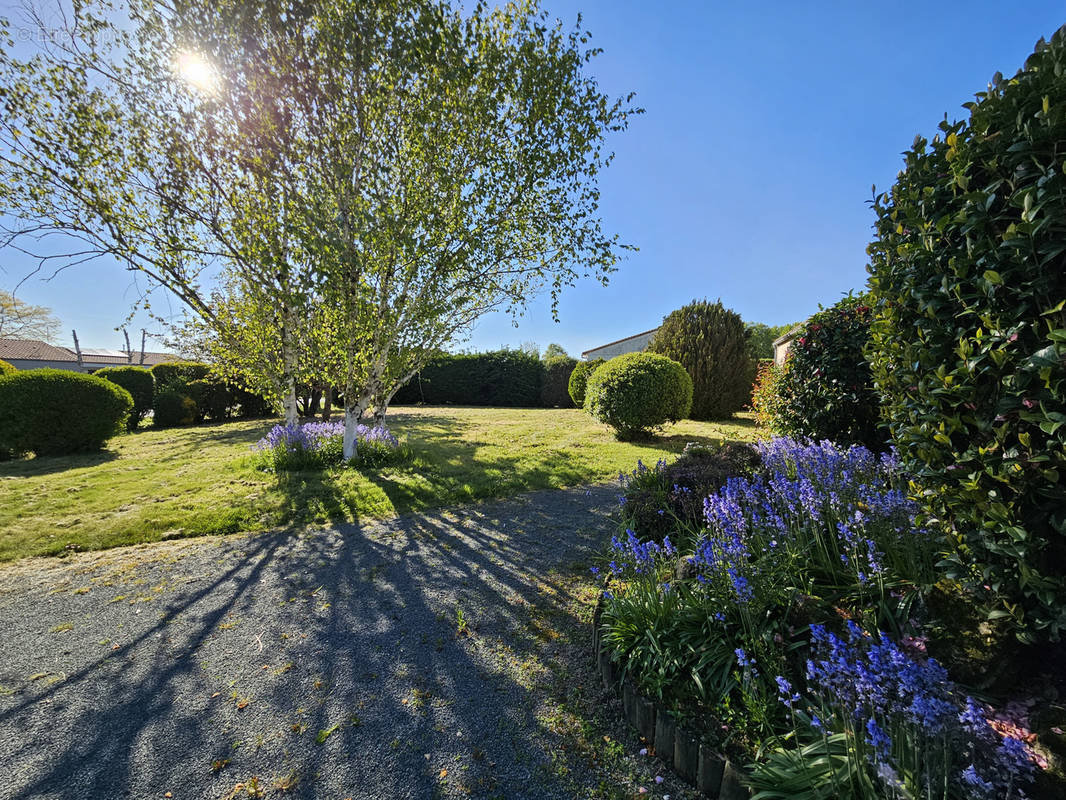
579,379
969,338
711,343
825,390
637,393
51,412
139,382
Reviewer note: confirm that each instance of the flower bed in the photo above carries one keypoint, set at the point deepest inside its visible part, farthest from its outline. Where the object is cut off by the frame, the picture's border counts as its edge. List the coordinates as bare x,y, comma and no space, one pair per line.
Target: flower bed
316,445
786,630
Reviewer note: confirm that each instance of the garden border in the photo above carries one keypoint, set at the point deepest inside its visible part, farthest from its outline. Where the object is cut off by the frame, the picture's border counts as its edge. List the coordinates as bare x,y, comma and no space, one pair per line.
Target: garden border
694,762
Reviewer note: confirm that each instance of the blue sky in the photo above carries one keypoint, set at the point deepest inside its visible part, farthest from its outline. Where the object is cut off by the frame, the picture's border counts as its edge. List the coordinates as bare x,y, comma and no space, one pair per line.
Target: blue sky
749,174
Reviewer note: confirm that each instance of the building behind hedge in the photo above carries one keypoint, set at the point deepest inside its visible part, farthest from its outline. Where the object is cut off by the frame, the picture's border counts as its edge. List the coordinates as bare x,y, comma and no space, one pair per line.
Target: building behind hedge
33,354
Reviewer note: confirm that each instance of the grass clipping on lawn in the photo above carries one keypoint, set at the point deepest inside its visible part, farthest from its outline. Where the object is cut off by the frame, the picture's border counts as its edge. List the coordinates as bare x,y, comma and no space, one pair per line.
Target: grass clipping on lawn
162,484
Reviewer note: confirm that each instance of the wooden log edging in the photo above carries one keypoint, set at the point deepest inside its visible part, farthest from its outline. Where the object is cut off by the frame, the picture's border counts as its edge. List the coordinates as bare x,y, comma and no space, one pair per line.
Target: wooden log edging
697,764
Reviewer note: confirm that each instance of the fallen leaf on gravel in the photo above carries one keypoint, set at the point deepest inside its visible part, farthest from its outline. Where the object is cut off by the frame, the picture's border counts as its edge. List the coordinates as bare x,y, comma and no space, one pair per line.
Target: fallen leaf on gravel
216,694
444,773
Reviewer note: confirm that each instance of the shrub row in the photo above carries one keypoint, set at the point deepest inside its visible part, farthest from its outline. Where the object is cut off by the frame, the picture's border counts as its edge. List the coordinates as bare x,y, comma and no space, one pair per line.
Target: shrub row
510,378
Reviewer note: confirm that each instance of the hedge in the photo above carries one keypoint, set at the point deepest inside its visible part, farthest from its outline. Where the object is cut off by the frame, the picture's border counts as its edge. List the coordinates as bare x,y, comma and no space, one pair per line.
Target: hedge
55,412
139,382
498,378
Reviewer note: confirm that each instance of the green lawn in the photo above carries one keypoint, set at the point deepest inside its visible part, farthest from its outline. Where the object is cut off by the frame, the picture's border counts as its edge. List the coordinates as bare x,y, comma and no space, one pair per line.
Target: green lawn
154,485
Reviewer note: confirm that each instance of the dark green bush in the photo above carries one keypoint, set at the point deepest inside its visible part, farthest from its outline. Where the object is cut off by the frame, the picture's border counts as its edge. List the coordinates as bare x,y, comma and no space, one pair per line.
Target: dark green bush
637,393
555,392
668,499
6,369
176,375
139,383
579,378
251,405
498,378
213,399
969,339
51,412
825,390
711,343
173,409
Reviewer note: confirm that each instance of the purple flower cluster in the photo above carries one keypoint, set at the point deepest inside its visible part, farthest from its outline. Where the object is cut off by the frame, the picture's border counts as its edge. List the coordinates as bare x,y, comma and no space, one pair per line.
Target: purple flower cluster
636,555
909,714
316,444
843,506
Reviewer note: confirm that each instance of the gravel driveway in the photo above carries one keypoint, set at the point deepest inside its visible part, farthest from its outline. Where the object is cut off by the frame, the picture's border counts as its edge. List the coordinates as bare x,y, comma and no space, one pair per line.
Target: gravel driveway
410,658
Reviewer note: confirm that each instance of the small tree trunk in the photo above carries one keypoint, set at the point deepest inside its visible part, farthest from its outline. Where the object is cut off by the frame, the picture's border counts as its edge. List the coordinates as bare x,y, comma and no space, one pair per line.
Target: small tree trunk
327,403
288,360
379,413
352,414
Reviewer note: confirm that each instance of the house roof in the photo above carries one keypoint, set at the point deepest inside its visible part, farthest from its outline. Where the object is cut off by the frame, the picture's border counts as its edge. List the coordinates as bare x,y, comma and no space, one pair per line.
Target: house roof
33,350
119,358
789,336
617,341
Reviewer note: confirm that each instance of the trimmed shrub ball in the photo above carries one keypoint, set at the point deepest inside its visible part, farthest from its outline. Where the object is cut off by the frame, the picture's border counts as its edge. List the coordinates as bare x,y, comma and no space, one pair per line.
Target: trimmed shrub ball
173,409
638,393
139,382
579,379
7,369
51,412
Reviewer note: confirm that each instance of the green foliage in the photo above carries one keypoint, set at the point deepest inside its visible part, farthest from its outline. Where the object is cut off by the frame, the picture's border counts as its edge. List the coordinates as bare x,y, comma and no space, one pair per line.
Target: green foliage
969,341
176,375
497,378
139,382
6,369
637,393
213,398
579,379
555,351
251,405
766,400
54,412
173,409
825,390
555,391
711,343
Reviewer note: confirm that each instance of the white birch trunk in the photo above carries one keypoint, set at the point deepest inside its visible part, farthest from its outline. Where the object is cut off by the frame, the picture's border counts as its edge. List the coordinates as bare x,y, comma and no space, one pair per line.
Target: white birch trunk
288,369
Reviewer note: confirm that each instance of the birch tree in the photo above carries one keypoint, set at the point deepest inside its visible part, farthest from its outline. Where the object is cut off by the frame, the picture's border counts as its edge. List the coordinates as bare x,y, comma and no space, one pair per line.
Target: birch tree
408,165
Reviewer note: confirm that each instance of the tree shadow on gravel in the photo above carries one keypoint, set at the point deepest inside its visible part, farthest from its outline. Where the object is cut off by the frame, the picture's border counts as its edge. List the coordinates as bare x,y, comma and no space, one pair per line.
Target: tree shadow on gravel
392,660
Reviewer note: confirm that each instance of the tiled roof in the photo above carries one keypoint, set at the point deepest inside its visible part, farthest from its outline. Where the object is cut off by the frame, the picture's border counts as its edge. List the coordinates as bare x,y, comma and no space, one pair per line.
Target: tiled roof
150,359
30,349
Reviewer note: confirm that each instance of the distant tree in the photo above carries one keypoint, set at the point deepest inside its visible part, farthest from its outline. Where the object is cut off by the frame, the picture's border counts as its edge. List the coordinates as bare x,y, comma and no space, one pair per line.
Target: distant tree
761,338
710,342
19,320
555,351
